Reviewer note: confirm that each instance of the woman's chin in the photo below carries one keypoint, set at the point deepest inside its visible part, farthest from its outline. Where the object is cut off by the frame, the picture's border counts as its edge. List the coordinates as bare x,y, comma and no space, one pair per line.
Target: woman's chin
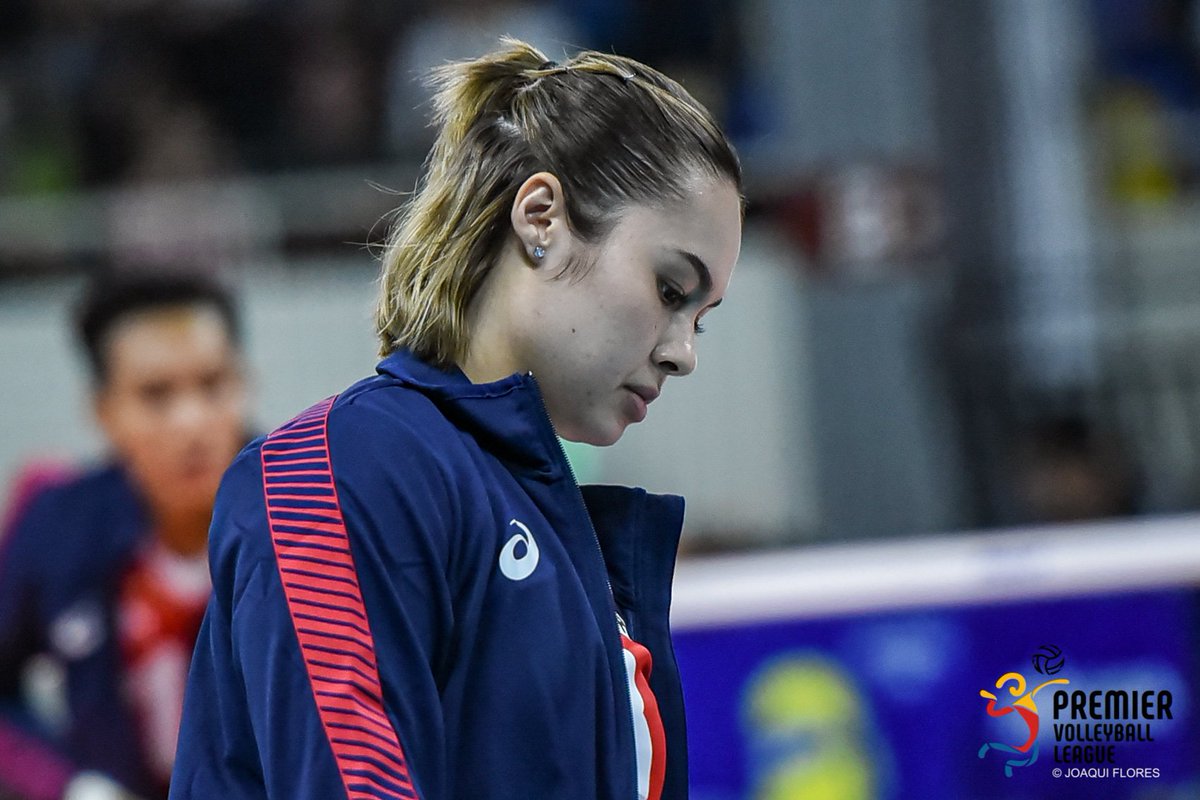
597,435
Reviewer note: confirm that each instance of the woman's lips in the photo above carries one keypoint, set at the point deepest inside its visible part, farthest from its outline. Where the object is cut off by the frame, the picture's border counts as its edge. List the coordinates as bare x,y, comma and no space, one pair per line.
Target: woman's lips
641,397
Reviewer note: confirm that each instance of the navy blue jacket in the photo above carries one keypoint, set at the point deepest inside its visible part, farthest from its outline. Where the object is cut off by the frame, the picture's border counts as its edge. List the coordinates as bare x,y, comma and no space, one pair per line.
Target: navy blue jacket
60,568
414,598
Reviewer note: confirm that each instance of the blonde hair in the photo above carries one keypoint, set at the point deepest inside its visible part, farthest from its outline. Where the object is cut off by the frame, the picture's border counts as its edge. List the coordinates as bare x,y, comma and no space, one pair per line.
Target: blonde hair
613,131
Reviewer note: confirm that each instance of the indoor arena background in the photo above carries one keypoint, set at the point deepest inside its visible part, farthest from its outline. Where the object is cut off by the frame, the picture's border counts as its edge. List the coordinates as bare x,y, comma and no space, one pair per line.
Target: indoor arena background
945,427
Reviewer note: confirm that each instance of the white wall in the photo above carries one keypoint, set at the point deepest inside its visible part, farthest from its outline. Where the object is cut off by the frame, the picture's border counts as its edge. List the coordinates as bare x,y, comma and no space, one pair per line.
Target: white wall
731,438
42,386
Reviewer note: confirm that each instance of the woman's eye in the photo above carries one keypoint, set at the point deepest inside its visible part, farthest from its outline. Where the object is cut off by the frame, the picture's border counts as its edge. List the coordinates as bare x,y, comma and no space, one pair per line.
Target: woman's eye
670,295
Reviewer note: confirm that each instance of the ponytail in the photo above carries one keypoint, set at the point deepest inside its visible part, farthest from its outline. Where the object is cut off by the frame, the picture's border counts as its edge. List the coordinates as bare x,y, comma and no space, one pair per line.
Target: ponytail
469,91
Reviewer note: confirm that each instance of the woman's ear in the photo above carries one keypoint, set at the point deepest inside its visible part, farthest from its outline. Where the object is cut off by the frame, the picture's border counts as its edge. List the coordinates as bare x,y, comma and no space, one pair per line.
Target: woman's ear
539,216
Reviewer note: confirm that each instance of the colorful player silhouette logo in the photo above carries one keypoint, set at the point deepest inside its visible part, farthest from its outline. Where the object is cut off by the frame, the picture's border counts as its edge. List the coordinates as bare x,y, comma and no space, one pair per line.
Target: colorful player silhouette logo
1024,754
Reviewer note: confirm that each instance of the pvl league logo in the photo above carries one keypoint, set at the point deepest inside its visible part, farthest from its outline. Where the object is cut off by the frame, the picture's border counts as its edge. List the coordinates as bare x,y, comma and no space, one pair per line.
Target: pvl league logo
1020,701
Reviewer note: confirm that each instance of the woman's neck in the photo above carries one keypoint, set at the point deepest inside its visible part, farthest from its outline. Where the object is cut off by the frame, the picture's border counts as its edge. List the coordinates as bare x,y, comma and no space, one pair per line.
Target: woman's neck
183,533
489,355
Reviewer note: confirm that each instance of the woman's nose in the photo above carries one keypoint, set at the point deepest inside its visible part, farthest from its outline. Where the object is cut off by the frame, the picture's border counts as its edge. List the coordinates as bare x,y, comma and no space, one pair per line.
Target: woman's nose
676,354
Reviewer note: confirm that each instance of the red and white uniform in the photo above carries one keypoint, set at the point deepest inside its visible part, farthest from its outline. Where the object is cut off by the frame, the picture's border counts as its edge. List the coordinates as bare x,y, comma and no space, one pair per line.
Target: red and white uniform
162,601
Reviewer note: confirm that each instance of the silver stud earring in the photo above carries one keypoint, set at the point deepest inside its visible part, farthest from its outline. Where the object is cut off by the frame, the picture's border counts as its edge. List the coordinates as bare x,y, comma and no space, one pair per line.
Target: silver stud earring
539,252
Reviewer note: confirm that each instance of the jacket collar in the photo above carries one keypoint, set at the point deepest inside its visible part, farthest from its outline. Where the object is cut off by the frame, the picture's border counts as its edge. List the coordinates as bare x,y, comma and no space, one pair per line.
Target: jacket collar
507,417
638,532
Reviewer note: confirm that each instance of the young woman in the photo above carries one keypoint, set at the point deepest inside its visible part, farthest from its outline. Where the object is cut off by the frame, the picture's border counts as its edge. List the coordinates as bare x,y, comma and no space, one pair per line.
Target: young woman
412,595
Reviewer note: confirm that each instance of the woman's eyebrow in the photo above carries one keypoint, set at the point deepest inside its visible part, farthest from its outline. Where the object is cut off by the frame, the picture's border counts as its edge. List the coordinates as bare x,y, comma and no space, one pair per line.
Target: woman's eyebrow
702,273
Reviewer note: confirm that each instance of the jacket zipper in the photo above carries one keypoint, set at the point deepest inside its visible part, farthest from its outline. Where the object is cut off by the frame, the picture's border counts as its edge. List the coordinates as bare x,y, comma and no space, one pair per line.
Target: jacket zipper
600,553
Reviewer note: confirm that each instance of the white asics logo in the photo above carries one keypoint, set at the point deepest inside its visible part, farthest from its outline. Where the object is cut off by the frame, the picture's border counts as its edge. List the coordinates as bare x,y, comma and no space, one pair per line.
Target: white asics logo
518,569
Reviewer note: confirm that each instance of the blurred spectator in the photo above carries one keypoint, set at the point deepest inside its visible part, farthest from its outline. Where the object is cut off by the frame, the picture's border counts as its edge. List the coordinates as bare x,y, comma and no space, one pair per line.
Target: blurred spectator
182,144
329,113
1066,471
172,209
103,577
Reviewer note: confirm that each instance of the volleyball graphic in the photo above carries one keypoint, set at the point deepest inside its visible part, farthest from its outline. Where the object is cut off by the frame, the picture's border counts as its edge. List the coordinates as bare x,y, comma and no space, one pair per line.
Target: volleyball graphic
1048,660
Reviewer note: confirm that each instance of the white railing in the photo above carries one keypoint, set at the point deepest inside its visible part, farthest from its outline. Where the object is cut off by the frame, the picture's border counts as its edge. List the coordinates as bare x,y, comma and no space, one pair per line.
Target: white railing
945,570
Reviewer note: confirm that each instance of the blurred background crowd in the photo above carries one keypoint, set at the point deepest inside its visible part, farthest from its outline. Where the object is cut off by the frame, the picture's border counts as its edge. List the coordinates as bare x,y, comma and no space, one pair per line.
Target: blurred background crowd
118,95
968,296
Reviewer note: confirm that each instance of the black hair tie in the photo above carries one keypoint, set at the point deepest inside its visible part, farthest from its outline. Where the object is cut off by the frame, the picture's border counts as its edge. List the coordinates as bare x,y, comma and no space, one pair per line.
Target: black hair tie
548,65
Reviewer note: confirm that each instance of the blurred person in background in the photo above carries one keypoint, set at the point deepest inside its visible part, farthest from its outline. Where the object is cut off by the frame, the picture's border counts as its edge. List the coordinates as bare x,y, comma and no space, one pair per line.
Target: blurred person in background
1068,470
104,576
329,107
412,595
